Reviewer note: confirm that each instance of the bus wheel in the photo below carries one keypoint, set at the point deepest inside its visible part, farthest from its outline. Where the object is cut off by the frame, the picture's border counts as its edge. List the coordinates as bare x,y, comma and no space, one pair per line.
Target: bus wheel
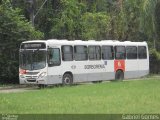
119,75
96,81
67,79
41,86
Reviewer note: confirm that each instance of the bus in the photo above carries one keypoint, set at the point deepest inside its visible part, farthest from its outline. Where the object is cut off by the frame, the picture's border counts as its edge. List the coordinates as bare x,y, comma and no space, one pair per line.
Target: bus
48,62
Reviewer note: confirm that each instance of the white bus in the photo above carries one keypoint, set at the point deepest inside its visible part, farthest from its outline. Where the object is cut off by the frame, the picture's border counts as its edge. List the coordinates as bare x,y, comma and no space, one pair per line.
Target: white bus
47,62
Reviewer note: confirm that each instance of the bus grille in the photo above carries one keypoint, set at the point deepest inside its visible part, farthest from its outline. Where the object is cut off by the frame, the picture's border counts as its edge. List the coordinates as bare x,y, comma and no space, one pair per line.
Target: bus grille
31,80
28,76
32,73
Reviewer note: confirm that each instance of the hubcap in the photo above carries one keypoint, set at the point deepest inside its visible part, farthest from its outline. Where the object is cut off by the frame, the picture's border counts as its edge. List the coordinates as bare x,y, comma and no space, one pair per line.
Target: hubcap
67,80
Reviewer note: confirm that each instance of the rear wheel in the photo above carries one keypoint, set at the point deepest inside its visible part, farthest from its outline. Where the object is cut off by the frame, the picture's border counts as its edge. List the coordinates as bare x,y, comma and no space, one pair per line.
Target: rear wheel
96,81
119,75
67,79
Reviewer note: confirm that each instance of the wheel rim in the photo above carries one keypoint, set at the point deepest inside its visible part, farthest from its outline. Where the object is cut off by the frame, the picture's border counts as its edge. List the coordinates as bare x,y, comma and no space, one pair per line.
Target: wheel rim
67,80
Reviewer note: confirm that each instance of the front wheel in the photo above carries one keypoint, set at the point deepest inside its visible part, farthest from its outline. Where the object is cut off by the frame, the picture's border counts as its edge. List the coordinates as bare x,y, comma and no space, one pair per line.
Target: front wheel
42,86
119,75
67,79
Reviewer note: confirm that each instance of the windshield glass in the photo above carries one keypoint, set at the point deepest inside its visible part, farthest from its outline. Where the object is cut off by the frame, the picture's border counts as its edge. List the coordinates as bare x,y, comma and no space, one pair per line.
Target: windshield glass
32,59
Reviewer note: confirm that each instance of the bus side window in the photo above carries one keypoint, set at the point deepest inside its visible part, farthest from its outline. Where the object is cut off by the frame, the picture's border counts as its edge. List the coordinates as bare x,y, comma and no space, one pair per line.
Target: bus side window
131,52
142,52
54,57
107,53
67,53
80,53
94,52
120,52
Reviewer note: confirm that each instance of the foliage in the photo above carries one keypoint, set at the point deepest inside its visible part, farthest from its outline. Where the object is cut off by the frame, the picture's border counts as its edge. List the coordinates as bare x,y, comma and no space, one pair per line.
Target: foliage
13,30
157,19
67,24
134,20
99,30
74,22
154,61
155,54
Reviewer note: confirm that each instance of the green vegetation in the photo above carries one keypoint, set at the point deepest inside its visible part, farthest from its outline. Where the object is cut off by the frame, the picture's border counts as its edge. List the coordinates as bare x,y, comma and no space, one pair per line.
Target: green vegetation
155,61
134,20
14,29
139,96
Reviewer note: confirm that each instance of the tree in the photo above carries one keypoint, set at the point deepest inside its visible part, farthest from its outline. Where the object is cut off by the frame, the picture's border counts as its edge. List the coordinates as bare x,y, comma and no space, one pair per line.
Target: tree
66,24
95,26
13,30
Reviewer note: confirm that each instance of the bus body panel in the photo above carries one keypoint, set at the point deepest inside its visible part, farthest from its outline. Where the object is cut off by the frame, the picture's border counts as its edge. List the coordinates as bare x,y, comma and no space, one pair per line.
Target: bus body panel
132,67
93,71
54,75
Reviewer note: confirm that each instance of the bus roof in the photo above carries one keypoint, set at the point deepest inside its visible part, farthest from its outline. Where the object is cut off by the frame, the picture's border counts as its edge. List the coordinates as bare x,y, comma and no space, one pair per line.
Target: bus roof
53,42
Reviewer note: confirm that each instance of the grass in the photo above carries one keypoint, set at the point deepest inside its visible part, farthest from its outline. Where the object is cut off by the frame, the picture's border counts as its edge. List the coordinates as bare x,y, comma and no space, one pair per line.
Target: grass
138,96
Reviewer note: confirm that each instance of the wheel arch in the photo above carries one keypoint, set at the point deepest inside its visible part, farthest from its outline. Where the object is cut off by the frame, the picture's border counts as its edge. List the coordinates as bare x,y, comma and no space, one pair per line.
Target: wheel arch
122,71
69,72
119,70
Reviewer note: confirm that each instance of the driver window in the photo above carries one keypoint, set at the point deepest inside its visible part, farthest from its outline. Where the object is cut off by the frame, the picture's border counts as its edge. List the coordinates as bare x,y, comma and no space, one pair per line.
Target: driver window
54,57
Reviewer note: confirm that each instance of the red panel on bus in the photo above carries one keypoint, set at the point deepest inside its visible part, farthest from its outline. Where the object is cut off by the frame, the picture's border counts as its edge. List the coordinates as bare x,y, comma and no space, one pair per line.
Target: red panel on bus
119,64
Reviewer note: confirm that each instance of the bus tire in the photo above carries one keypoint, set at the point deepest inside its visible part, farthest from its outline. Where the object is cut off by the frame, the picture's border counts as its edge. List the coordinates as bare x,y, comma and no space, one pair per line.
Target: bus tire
97,81
42,86
119,75
67,79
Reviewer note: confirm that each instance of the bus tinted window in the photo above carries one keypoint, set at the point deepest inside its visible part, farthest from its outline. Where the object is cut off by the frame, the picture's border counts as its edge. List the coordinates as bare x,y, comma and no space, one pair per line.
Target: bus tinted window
142,52
120,52
107,52
67,53
131,52
94,52
80,53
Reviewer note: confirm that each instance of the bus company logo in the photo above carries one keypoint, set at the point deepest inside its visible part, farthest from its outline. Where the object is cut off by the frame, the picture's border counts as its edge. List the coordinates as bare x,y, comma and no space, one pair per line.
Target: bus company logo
98,66
73,67
119,64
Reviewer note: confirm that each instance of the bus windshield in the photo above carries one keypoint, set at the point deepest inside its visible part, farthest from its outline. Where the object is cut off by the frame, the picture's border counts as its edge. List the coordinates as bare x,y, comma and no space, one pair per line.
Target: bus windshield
32,59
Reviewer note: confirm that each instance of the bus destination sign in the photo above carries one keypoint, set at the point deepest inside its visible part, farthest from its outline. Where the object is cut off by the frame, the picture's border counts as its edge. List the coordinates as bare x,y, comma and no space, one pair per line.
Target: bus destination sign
33,46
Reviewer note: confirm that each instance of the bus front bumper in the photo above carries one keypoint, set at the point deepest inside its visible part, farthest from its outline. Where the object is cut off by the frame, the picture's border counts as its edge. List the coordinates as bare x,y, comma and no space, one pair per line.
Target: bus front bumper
32,81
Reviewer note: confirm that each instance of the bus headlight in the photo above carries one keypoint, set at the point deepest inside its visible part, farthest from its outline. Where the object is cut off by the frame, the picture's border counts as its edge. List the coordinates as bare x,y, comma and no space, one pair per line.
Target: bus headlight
22,76
42,75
